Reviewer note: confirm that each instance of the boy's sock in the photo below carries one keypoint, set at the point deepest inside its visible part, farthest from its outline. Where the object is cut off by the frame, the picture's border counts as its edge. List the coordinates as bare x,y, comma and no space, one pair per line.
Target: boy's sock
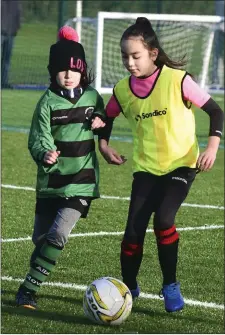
41,266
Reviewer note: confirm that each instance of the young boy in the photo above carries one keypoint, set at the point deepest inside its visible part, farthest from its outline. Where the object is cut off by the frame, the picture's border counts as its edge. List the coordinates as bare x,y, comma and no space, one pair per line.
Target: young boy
61,142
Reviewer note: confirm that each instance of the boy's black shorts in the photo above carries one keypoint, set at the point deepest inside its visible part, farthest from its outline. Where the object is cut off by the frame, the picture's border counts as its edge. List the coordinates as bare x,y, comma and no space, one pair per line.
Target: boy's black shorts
46,205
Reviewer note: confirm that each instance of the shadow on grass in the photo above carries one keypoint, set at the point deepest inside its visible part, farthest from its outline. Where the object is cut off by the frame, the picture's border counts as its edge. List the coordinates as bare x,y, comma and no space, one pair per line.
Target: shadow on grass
41,296
45,315
9,307
181,315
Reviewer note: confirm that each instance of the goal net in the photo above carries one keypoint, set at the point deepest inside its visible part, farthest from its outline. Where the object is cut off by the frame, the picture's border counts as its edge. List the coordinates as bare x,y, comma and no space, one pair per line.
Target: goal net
200,38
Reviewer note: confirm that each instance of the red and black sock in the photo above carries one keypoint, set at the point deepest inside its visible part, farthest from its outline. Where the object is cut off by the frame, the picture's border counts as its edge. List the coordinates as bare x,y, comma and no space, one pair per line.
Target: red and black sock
167,243
130,258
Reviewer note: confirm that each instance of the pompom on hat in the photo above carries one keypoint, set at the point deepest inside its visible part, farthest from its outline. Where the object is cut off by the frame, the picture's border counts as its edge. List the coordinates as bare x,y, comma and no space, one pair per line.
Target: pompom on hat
67,53
68,33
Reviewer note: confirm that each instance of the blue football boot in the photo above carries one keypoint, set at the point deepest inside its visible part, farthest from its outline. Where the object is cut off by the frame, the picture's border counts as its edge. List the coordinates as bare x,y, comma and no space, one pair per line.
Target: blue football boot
135,292
172,297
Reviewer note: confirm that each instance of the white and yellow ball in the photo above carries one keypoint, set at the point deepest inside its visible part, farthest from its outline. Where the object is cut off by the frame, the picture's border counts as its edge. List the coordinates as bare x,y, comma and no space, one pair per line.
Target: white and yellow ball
107,301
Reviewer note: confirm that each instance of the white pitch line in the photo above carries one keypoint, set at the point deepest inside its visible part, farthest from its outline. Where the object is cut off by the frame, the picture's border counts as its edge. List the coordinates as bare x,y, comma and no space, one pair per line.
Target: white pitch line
115,233
28,238
62,285
142,295
26,188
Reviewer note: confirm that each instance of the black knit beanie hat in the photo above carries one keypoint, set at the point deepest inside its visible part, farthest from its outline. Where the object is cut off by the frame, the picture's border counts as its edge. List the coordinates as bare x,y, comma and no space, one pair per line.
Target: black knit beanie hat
66,55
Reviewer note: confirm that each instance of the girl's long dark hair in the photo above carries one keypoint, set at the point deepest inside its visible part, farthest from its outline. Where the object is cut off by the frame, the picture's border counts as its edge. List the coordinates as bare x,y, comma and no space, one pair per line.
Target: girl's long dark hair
143,28
87,77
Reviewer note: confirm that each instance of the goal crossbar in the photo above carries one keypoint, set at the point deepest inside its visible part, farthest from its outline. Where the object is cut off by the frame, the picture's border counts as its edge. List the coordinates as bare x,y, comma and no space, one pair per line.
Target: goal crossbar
162,17
202,20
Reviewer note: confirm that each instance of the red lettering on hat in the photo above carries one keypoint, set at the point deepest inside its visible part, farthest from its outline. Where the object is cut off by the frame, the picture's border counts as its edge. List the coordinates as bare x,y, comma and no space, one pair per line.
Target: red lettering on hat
79,65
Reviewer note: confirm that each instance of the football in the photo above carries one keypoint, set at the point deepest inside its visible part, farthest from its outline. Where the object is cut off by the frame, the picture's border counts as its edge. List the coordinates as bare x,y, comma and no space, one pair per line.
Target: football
107,301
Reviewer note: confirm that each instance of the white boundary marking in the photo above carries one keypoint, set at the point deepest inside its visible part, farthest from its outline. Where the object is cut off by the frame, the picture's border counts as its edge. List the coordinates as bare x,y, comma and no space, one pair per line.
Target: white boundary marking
26,188
142,295
115,233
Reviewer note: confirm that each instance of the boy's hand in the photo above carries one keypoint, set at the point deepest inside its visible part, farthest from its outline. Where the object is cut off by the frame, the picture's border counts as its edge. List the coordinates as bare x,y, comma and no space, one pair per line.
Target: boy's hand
206,159
51,156
111,156
97,123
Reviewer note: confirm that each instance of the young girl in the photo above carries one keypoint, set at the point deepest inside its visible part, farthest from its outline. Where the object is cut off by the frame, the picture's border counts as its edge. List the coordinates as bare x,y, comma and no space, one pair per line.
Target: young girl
156,99
61,142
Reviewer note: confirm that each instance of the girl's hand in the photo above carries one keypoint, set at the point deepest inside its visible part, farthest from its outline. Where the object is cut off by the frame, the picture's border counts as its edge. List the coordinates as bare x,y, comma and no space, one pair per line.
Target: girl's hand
206,159
51,156
97,123
111,156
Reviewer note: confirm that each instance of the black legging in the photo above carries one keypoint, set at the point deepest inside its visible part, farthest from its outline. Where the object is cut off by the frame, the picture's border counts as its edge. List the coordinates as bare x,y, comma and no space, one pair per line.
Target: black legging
160,194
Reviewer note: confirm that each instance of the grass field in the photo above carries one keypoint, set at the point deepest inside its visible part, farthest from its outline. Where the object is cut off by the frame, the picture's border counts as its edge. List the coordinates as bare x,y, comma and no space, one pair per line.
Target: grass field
94,247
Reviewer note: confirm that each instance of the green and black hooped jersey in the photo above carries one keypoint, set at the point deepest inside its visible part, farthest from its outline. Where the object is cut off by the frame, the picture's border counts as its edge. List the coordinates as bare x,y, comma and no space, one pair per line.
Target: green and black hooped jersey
58,124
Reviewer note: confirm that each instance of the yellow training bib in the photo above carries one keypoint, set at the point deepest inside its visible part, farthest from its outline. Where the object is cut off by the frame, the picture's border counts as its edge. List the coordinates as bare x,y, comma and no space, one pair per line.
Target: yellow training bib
163,126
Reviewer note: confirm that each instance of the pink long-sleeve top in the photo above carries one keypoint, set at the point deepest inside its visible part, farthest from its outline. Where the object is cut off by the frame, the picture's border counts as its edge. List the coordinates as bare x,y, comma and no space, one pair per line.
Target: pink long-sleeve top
141,87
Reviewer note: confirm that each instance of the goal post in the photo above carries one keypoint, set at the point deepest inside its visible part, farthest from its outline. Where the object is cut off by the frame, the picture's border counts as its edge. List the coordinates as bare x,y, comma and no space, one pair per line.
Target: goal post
192,35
